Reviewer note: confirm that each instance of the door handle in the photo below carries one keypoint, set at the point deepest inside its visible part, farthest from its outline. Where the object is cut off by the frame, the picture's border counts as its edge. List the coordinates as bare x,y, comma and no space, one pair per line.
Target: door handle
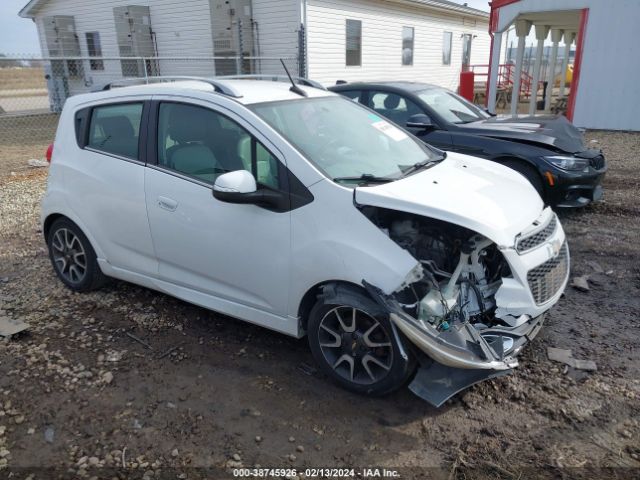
167,204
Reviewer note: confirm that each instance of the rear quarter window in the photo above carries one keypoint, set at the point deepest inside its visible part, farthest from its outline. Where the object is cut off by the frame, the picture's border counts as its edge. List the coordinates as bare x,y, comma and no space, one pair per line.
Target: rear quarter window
115,129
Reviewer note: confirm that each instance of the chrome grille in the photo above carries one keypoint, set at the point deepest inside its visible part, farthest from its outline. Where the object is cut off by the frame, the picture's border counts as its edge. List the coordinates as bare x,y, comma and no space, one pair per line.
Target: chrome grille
546,279
538,238
598,162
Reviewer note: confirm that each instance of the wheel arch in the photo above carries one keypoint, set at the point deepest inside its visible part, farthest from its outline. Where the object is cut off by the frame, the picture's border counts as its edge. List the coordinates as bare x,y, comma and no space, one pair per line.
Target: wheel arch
52,217
46,228
502,159
311,296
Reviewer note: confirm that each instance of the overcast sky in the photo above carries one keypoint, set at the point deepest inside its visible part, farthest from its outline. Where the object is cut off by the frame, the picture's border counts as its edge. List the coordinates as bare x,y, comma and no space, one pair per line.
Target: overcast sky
19,36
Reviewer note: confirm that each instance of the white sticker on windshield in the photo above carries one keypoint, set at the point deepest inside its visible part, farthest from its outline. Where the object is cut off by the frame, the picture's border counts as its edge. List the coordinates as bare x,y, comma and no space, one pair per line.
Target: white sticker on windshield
389,130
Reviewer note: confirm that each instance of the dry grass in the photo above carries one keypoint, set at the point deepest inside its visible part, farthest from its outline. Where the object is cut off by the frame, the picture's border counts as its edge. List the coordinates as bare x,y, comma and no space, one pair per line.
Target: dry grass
23,138
22,78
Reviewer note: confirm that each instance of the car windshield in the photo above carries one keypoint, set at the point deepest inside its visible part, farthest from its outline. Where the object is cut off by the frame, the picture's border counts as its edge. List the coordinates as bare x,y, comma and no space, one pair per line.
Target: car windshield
346,141
451,107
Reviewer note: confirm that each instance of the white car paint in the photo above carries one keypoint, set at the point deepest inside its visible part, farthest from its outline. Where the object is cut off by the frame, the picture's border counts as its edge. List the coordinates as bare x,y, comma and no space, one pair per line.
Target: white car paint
168,233
485,197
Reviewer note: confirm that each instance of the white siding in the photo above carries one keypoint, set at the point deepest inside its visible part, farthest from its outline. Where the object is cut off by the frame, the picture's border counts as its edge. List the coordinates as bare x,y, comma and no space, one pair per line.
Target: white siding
382,23
182,29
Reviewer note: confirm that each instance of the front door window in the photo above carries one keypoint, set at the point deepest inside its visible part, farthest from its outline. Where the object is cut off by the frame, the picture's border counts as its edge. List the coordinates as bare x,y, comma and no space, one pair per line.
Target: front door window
204,144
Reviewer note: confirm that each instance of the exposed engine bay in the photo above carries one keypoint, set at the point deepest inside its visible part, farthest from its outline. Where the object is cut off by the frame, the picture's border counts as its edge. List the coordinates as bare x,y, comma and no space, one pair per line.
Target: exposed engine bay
447,307
461,270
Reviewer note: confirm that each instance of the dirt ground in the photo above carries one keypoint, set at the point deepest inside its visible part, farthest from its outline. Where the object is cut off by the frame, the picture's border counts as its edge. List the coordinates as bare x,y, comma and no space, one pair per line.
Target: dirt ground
130,383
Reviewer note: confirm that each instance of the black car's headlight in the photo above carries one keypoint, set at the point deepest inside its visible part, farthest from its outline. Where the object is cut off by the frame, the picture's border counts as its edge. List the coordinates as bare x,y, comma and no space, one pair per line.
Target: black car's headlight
568,163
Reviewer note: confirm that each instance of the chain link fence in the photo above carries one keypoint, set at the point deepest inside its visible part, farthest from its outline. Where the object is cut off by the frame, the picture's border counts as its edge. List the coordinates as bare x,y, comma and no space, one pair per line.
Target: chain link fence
33,90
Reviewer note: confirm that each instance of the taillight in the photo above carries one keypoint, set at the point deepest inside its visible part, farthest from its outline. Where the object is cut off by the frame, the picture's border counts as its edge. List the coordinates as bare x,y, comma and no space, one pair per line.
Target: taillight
49,152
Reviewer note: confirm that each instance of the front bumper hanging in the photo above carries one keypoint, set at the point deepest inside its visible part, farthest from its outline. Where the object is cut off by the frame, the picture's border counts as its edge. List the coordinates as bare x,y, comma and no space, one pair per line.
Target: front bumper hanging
461,356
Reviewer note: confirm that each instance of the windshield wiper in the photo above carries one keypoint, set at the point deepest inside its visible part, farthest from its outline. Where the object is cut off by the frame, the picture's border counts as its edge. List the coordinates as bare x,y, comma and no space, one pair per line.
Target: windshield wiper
420,165
364,178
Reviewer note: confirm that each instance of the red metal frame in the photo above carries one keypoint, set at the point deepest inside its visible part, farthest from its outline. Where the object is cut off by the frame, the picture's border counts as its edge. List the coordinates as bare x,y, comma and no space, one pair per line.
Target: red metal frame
577,63
506,73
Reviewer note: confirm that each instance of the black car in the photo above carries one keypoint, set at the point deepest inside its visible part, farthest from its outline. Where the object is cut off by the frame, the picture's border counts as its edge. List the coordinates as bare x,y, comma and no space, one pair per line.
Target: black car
548,150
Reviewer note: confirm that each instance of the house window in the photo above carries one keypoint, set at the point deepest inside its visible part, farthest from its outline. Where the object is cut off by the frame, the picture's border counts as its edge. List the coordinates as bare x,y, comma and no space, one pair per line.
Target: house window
446,48
407,45
354,43
95,50
466,51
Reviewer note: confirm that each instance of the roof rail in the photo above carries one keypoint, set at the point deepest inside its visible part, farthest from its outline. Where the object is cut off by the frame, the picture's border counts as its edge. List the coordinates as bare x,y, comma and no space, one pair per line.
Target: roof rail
276,78
219,87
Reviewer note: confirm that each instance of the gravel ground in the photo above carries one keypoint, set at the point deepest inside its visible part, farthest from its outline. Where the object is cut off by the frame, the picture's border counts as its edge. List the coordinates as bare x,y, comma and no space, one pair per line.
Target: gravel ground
130,383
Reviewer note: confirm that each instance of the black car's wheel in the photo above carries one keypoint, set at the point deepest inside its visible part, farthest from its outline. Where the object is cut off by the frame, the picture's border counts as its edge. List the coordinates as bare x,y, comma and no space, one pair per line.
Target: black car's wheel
73,258
352,341
528,172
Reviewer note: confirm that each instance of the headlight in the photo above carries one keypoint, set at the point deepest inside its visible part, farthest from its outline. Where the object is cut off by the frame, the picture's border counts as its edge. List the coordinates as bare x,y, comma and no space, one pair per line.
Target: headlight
568,163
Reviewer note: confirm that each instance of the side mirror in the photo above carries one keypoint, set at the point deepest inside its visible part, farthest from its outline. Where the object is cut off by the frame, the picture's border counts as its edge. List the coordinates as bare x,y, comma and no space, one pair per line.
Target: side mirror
239,182
420,121
492,114
240,187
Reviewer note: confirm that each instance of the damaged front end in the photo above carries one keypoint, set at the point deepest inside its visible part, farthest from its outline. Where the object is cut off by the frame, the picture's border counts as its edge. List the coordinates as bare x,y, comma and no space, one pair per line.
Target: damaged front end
468,305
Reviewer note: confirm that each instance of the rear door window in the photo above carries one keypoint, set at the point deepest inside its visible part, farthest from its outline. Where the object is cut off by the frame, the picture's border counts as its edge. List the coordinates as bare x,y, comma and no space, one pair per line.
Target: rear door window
115,129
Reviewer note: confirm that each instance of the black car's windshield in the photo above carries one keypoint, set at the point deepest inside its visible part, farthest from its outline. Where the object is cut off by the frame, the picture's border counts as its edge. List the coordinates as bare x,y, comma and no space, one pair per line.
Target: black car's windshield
349,143
451,107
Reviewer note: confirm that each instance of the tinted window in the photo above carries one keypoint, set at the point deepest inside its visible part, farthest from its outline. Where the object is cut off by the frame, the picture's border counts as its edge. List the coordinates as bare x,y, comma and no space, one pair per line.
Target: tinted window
352,94
116,128
203,144
395,107
354,43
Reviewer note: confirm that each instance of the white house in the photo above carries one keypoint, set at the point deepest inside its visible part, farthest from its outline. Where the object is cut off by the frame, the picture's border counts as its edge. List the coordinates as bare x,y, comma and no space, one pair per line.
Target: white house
327,40
604,92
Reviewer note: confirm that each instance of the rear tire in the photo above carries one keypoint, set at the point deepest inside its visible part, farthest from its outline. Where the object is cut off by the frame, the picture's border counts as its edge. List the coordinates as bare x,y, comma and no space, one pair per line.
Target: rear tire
352,341
73,257
528,172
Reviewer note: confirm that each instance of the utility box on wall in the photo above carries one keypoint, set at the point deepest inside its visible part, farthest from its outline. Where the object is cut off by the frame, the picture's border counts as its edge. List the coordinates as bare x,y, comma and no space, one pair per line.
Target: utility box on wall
135,39
62,41
232,30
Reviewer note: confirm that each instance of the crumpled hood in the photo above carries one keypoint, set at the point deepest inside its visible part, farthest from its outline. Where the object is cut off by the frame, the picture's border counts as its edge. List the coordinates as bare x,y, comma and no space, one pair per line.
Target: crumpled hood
481,195
555,131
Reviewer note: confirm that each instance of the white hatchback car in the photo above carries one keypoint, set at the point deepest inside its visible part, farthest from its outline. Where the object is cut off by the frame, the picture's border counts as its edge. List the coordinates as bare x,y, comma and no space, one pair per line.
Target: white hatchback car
301,211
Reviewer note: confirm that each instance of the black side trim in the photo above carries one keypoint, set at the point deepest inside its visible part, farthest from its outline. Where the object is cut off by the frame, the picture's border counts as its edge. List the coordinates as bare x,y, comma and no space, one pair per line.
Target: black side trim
144,131
299,195
152,133
81,124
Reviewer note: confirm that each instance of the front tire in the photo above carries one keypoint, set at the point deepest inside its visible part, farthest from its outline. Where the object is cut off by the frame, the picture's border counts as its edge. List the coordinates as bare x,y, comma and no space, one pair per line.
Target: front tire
352,341
73,257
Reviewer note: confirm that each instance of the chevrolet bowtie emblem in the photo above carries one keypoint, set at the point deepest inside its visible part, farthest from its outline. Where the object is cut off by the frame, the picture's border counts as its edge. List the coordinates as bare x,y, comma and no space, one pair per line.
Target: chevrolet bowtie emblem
554,247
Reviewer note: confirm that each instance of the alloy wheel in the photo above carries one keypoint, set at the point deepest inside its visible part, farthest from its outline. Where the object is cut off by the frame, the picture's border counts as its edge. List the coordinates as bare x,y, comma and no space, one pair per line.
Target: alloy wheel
355,345
69,255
